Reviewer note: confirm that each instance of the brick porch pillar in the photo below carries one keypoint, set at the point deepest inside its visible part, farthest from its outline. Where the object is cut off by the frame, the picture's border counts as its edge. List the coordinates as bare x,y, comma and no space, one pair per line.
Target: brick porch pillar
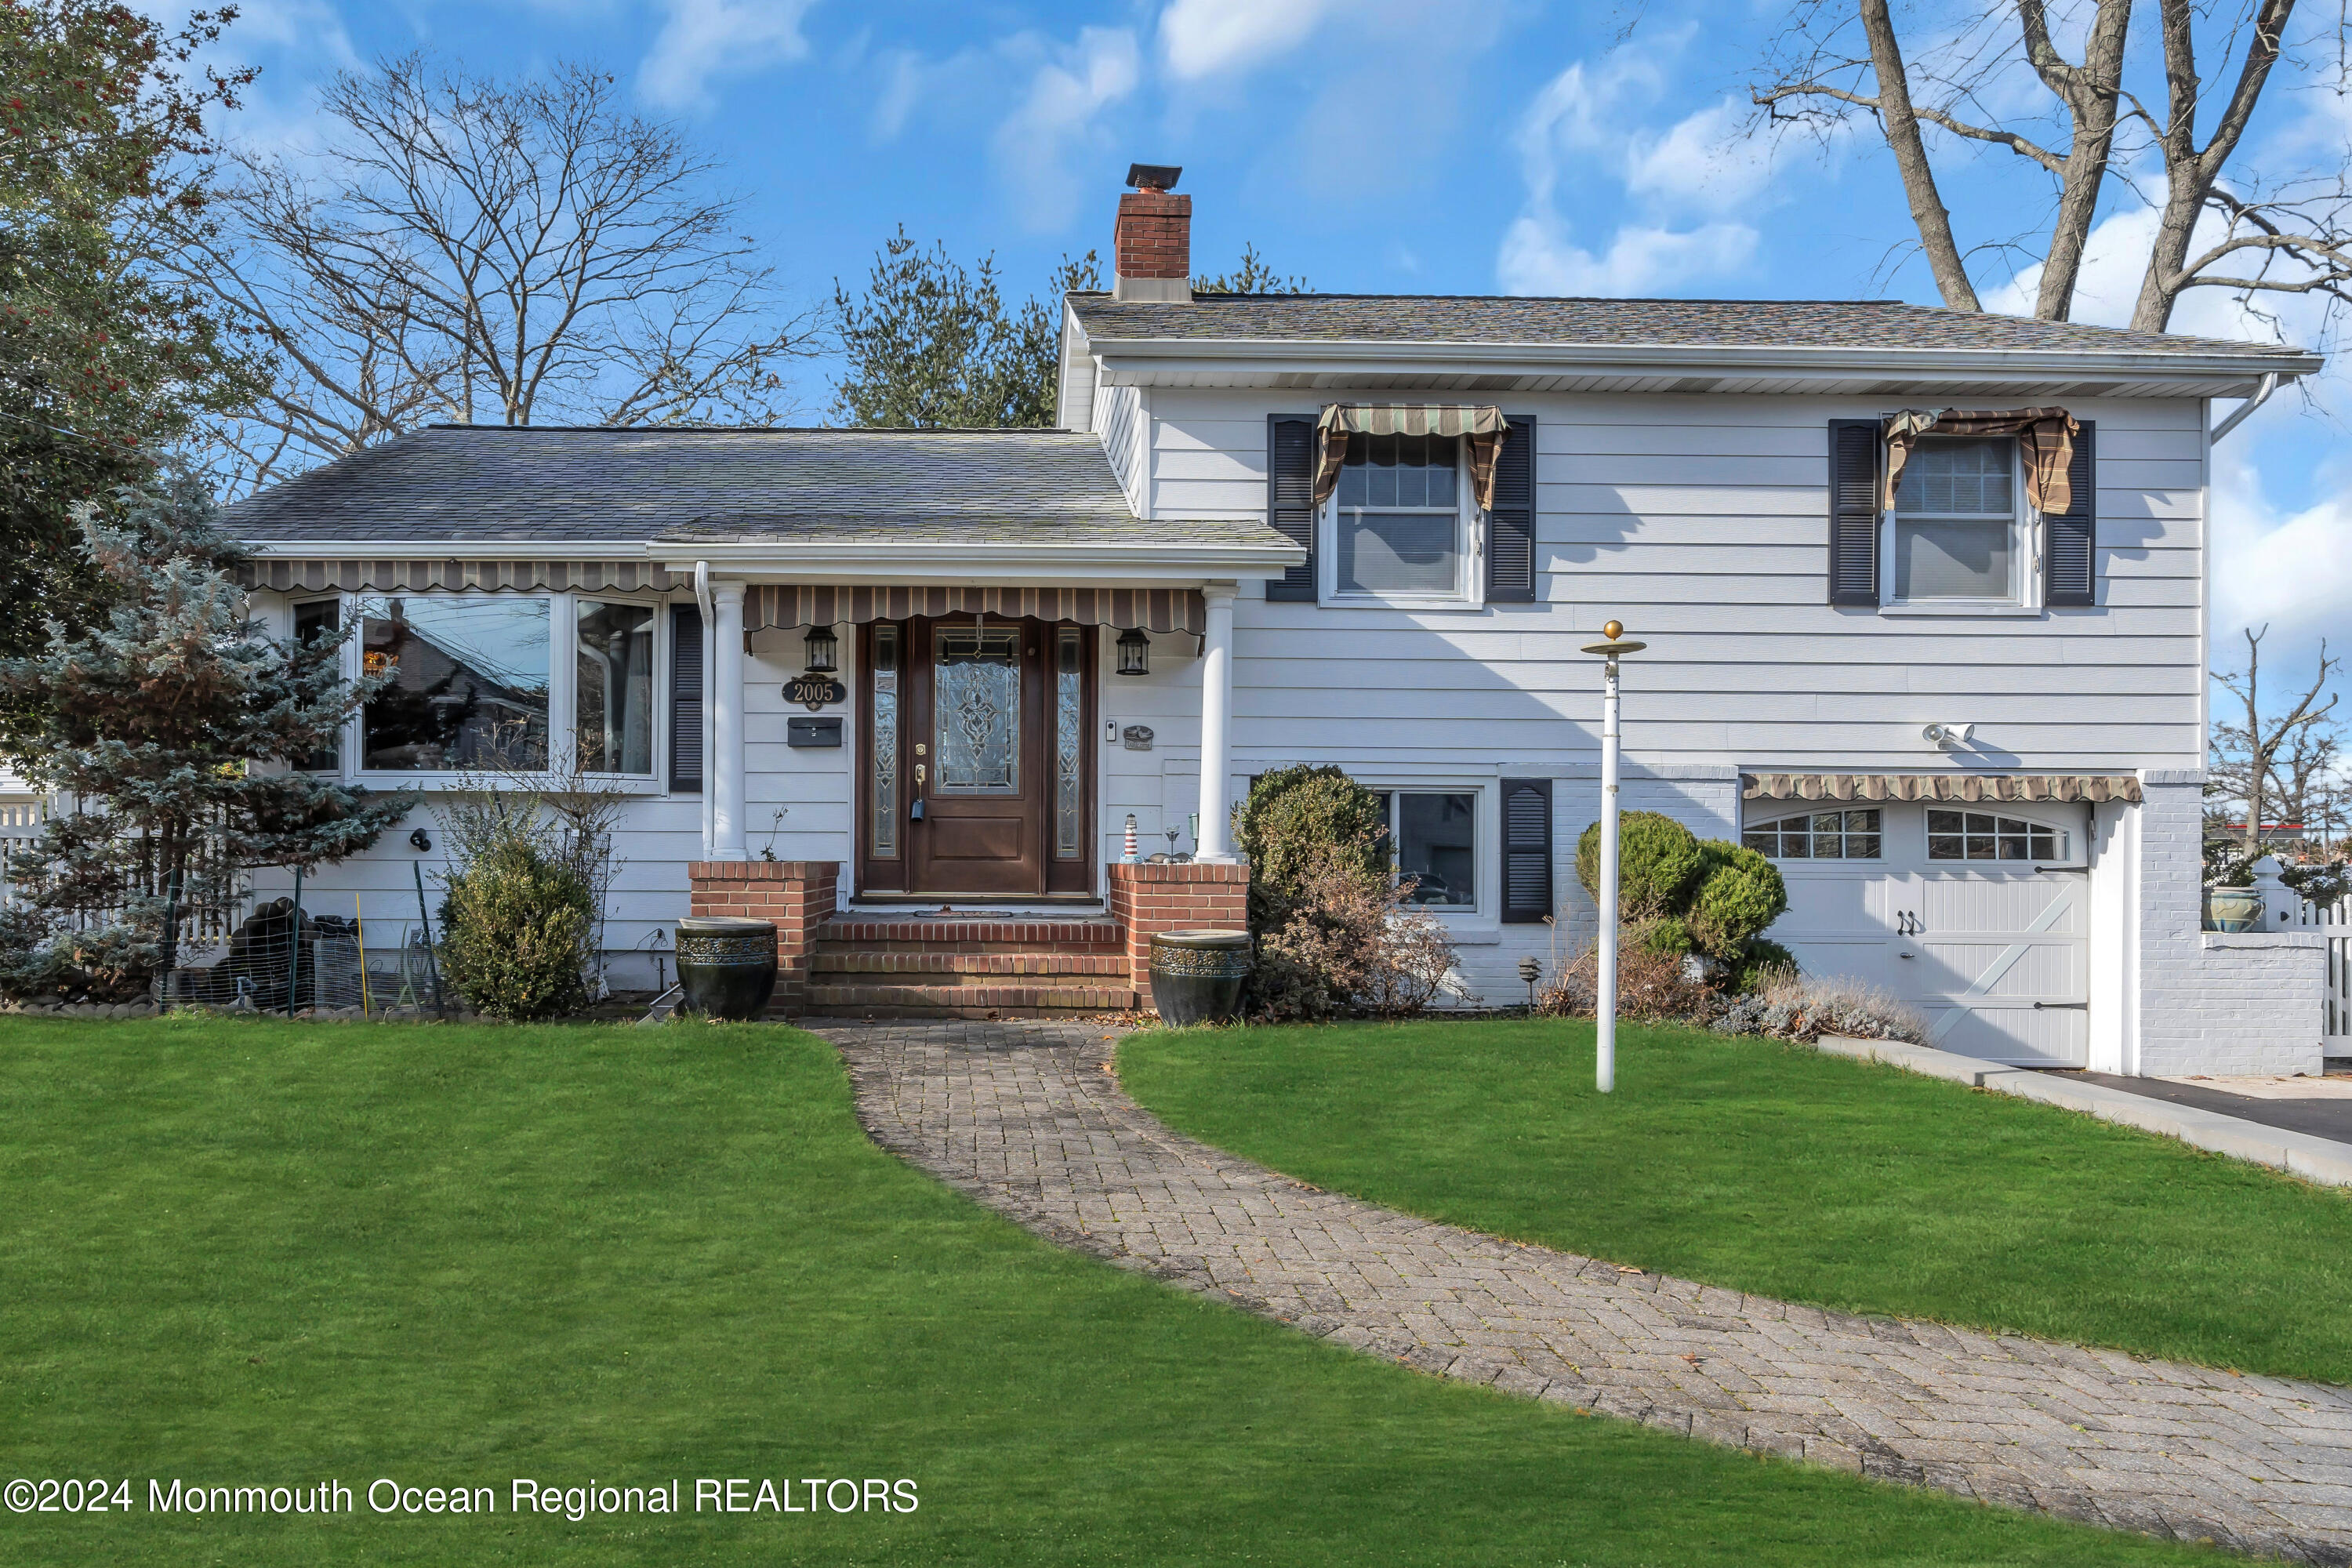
798,895
1196,896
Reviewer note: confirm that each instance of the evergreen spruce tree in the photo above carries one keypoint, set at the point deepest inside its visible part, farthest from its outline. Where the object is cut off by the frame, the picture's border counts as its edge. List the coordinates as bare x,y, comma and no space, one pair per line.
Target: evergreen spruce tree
105,161
168,727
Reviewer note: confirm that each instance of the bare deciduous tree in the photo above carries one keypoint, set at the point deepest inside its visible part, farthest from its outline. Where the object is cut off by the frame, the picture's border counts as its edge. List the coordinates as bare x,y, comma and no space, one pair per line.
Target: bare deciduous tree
476,251
2251,755
1975,80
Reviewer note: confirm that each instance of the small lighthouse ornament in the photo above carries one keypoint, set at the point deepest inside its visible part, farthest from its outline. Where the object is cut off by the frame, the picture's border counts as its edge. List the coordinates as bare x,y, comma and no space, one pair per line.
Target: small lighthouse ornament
1128,854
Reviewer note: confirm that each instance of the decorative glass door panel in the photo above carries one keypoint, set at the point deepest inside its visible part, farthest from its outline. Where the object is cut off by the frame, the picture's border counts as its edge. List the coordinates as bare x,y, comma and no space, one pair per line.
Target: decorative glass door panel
1069,744
976,681
882,815
978,774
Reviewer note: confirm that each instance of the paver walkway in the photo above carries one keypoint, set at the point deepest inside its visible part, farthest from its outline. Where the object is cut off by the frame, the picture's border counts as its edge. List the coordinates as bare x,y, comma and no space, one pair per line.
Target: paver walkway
1026,1118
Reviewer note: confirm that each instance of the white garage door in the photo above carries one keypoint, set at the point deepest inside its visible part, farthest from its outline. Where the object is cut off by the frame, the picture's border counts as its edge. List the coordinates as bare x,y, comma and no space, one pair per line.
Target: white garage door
1976,918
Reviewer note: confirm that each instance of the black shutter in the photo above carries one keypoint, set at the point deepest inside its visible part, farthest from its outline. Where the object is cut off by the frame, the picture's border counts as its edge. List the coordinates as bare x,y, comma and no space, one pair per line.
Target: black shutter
1511,526
1527,850
2071,576
1855,446
686,699
1290,501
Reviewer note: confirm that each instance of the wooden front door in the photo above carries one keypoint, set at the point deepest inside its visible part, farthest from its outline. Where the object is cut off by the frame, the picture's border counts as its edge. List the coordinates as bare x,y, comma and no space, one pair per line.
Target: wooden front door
980,776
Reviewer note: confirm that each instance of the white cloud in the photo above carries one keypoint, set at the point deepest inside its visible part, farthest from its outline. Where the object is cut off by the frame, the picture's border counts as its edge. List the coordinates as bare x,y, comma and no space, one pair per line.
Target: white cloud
2291,569
1055,118
704,40
1209,38
2270,560
304,26
1690,187
1537,256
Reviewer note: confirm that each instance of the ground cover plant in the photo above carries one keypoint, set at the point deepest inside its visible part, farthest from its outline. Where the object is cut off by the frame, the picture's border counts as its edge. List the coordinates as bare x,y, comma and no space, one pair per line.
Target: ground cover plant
272,1252
1760,1165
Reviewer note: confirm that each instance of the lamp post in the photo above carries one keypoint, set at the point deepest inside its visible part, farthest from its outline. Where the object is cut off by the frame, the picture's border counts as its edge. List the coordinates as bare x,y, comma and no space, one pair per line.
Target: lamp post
1604,1067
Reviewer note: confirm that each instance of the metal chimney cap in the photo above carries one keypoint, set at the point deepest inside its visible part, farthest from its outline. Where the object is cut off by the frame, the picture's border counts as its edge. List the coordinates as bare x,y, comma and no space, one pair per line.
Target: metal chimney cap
1154,177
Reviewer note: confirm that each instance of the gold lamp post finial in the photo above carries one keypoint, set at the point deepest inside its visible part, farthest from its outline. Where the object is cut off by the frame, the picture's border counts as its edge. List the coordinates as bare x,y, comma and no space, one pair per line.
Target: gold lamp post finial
1614,630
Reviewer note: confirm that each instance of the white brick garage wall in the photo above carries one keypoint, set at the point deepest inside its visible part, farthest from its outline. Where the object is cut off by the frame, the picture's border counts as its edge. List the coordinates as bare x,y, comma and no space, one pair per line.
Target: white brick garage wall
2213,1002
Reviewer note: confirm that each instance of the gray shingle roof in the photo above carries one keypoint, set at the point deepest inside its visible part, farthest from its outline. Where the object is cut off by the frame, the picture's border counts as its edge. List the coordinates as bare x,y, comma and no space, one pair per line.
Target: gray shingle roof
1726,323
547,488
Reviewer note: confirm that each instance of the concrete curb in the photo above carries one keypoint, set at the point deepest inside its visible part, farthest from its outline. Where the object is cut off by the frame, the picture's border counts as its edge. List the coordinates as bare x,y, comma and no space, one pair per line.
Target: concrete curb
2320,1159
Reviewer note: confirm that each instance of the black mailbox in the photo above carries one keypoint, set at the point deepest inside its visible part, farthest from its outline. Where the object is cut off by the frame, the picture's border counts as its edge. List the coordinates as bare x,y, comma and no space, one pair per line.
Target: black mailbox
813,731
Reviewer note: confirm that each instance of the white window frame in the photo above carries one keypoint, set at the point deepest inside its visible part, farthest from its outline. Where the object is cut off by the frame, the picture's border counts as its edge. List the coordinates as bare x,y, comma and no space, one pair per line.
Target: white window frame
563,696
1903,838
1486,833
1792,810
2026,529
1470,531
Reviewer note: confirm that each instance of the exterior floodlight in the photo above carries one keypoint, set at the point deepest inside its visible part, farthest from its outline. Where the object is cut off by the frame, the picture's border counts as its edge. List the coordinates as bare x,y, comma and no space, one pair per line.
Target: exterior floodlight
1612,647
824,651
1949,736
1134,652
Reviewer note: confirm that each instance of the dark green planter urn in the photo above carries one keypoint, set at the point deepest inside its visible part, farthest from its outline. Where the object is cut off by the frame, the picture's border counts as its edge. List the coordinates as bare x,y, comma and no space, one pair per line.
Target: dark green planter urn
1196,975
726,967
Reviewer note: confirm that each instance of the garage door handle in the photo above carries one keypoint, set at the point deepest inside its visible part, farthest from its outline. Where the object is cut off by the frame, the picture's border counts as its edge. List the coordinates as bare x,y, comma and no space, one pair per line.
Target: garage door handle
2078,871
2056,1006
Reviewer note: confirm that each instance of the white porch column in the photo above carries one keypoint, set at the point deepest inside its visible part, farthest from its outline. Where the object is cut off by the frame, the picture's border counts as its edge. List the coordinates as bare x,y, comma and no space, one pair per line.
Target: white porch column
1215,841
727,723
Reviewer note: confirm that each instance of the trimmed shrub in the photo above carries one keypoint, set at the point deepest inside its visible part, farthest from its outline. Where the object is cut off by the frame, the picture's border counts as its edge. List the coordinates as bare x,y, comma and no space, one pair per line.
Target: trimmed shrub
513,927
1764,962
1665,936
1657,860
1295,820
1739,893
1351,945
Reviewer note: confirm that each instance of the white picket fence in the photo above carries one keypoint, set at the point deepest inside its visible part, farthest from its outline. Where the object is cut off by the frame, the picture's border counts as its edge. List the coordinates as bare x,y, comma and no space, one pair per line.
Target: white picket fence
202,925
2336,920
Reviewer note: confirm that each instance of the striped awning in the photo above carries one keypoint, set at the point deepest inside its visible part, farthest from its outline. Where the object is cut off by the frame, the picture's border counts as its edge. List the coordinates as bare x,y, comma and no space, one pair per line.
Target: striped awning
1484,425
1939,787
291,575
785,605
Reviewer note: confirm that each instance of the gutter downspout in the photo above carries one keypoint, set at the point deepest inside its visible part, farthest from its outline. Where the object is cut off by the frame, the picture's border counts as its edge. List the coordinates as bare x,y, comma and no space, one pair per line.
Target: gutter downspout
703,608
2238,414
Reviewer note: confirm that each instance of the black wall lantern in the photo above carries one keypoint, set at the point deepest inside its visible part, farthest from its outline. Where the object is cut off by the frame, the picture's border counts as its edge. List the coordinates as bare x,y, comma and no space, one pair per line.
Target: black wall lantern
824,651
1134,652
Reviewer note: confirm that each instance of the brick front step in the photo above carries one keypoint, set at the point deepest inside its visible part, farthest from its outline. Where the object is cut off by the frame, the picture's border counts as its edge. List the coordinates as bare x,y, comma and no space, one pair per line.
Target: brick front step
975,935
966,1001
866,960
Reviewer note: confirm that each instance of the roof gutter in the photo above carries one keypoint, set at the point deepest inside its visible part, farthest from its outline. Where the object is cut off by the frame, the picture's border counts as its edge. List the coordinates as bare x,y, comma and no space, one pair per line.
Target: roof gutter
1039,565
1697,358
2238,414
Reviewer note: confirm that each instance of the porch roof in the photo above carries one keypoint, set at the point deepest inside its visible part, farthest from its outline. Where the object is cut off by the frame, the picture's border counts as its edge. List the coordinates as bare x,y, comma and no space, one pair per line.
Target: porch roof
489,490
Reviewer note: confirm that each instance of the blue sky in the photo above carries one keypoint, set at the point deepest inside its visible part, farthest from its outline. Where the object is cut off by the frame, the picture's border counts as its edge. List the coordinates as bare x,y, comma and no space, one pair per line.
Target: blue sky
1372,145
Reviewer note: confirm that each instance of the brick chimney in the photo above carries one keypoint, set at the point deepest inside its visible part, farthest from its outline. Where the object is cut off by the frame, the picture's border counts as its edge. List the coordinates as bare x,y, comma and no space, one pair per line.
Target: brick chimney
1151,246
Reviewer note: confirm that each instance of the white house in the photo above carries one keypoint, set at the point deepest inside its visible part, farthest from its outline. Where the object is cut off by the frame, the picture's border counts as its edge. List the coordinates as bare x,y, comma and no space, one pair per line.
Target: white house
1373,532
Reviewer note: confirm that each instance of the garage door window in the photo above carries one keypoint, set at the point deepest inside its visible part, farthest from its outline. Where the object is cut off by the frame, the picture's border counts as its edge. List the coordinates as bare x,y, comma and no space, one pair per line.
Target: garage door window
1981,835
1818,836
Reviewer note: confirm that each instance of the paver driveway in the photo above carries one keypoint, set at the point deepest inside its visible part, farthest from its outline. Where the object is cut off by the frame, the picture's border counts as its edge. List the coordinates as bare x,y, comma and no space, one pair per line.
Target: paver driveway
1028,1119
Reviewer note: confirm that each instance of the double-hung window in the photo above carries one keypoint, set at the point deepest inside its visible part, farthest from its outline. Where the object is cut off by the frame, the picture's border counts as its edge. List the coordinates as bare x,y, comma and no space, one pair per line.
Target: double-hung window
1961,533
1401,528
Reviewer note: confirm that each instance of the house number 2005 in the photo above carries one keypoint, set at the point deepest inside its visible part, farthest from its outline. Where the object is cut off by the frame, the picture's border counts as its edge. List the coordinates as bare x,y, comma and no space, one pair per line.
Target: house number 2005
813,691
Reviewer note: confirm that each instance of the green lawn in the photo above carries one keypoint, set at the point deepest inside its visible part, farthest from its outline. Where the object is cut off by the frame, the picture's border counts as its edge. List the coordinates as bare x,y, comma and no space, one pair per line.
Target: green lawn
270,1253
1764,1166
